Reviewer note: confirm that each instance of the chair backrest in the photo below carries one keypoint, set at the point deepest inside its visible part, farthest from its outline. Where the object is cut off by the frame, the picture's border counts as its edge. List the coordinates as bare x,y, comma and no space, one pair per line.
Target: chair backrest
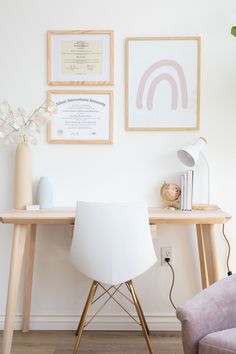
112,241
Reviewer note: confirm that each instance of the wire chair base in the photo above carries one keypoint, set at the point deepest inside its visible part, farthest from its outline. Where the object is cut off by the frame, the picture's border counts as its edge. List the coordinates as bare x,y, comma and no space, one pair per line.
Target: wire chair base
111,291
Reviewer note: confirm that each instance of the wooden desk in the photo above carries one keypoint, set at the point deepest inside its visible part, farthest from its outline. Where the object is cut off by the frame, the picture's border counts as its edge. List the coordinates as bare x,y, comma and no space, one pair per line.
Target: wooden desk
24,246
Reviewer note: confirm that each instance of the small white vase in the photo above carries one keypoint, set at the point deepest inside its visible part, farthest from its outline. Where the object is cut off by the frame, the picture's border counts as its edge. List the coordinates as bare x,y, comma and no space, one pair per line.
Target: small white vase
44,194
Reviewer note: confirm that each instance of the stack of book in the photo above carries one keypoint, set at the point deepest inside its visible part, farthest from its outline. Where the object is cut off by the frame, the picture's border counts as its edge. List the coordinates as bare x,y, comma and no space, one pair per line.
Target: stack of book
186,190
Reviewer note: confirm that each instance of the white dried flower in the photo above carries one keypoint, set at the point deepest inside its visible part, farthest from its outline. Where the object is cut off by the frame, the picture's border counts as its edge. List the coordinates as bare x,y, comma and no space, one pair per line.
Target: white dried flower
18,127
53,109
4,108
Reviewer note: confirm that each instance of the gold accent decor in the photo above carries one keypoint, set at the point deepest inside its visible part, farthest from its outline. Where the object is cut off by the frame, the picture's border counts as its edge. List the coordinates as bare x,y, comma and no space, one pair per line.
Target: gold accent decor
115,289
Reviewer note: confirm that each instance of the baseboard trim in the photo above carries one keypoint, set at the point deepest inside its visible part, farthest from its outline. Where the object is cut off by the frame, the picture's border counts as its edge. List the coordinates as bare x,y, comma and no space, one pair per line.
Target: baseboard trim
156,322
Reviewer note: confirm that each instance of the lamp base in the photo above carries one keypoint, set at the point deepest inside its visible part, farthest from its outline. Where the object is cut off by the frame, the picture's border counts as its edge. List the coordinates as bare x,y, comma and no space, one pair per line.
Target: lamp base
205,207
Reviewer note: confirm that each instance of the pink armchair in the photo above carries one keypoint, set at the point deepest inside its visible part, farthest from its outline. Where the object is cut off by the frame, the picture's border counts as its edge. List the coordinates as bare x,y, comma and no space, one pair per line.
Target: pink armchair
209,319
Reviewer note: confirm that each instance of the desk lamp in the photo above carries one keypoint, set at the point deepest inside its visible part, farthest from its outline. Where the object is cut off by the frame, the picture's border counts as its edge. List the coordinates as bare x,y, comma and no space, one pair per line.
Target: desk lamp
189,156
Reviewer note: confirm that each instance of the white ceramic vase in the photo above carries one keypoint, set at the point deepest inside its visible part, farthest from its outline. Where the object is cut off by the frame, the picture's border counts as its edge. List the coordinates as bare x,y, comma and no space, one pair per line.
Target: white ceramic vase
44,195
23,177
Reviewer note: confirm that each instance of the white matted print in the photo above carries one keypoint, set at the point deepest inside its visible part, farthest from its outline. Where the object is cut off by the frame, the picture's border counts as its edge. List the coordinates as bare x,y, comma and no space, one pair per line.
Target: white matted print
82,117
162,83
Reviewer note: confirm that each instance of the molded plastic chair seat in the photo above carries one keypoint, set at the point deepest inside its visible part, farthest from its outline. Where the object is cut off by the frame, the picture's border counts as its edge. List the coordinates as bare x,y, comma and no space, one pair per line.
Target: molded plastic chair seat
112,241
112,244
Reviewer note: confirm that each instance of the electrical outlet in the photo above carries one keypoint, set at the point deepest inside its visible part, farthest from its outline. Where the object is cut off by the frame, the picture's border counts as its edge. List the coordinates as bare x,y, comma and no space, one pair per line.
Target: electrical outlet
166,252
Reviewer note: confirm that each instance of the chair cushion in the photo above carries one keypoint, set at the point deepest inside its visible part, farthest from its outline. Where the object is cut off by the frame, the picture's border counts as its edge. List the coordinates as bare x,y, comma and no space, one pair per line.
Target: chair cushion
222,342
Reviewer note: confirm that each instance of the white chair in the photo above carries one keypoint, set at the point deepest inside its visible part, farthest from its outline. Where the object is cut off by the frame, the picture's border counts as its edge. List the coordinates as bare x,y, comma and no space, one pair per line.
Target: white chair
112,244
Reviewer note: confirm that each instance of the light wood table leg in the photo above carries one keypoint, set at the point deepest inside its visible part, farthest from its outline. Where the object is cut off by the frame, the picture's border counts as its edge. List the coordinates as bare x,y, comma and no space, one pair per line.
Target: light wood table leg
29,267
18,247
202,258
208,232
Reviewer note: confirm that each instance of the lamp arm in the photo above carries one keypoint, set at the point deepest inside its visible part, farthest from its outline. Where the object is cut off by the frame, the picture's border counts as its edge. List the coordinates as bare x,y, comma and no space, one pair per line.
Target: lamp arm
208,175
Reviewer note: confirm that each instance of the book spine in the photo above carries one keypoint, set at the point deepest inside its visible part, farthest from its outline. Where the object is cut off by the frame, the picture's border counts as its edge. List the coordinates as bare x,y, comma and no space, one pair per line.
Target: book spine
189,189
186,190
182,192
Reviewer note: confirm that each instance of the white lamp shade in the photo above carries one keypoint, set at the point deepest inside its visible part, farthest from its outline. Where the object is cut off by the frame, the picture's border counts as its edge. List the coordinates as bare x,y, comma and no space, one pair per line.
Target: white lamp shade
189,155
112,241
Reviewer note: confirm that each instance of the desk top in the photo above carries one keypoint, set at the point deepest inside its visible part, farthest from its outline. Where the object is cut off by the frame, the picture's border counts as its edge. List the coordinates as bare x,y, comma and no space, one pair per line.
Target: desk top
156,216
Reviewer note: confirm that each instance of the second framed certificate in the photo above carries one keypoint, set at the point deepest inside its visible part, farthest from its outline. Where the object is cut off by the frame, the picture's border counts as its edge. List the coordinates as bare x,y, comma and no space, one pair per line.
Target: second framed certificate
82,117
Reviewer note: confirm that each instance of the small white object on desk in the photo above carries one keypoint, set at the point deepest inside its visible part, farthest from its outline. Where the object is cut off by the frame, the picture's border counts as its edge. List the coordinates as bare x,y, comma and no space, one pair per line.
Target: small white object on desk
33,207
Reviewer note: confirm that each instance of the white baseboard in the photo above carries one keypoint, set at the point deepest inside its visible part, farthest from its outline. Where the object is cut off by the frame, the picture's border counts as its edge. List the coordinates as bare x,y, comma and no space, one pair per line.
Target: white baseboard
156,322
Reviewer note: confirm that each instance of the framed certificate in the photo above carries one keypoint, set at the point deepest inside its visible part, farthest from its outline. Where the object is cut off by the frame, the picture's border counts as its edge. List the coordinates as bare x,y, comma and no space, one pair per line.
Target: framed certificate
80,57
82,117
163,83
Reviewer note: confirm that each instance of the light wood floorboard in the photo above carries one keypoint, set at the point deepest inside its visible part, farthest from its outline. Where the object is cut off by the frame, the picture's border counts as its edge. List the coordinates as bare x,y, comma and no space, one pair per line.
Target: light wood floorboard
99,342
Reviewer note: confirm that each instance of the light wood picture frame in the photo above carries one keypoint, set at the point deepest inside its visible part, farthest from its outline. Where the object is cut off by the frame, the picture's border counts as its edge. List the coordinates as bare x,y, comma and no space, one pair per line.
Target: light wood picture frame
82,117
162,83
79,57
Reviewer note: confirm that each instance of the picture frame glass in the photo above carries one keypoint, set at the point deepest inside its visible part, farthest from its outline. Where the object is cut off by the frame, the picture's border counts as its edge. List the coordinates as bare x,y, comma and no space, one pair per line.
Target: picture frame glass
162,83
80,57
81,117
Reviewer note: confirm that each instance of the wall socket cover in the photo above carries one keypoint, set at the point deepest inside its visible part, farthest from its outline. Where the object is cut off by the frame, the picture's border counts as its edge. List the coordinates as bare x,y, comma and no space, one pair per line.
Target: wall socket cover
166,252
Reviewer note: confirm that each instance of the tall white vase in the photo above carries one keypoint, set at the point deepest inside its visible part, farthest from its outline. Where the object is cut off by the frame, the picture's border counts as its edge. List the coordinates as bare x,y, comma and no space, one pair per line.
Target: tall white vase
45,197
23,177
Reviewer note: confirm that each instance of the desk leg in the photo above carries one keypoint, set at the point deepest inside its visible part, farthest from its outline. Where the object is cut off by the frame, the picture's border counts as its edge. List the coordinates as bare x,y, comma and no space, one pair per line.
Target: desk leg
18,247
29,267
202,258
208,232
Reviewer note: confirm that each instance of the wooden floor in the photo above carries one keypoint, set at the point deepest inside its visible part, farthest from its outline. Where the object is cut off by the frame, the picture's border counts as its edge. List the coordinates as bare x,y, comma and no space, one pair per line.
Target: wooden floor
99,342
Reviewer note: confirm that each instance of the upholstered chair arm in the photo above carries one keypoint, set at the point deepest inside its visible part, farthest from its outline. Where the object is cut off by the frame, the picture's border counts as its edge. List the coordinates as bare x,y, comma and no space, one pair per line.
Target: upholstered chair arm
213,309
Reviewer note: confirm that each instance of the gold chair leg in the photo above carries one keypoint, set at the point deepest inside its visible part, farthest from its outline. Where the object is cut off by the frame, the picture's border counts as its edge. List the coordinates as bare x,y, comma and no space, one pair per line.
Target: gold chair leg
140,315
141,310
144,319
84,315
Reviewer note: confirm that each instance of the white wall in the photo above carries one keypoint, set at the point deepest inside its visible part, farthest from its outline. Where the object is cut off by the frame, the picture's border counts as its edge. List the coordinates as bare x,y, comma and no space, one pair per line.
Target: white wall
136,164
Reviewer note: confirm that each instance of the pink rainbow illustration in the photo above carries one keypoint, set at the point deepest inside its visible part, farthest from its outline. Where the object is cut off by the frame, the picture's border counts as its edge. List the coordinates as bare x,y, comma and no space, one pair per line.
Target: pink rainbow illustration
158,79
